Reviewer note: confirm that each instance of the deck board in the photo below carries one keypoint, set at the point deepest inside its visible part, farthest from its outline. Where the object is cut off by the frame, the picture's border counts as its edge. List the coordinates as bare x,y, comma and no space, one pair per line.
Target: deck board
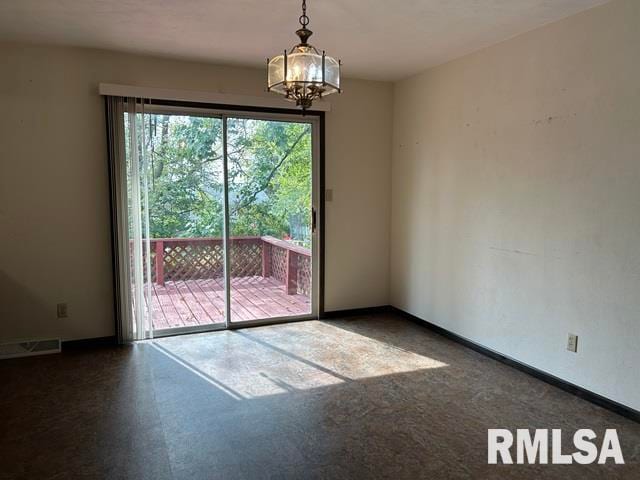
185,318
188,303
193,303
213,310
238,310
170,314
242,293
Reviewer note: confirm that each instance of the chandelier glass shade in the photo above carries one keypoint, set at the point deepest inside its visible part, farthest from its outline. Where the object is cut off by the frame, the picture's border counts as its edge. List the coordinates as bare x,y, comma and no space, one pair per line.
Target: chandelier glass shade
303,74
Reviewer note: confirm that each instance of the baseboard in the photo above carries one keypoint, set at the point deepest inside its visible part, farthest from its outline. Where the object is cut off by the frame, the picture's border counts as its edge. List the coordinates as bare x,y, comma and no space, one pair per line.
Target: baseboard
356,312
89,343
583,393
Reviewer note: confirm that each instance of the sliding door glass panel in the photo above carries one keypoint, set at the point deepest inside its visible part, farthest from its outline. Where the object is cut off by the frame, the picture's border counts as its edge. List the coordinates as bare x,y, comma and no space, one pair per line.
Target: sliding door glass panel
185,197
270,216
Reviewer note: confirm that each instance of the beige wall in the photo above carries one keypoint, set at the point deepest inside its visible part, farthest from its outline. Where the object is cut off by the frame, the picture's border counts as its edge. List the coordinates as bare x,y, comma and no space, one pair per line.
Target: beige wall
516,198
54,201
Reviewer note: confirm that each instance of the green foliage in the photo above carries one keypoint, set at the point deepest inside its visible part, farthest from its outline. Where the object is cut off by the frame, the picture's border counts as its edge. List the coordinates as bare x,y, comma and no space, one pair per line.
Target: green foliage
269,166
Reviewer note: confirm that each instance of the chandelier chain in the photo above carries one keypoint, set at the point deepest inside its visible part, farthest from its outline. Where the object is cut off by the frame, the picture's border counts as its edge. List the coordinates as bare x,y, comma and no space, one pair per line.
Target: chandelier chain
304,19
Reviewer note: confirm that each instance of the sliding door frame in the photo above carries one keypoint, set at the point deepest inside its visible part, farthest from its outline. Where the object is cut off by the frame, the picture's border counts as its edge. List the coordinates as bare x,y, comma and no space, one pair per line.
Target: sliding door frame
224,112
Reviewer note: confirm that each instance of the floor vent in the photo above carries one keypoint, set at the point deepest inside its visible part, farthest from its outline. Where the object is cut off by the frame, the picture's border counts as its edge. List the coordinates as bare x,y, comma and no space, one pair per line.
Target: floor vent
29,348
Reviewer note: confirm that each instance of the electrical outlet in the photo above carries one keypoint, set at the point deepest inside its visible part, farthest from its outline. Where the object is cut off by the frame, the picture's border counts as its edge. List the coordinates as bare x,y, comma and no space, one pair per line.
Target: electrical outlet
572,343
62,310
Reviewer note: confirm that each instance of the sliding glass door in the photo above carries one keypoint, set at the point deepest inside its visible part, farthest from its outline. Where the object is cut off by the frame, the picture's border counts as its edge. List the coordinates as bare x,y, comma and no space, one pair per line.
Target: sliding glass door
221,218
271,225
184,153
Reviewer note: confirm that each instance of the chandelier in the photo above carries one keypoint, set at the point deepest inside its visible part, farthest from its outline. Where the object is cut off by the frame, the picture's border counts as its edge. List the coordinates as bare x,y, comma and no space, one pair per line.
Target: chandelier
303,74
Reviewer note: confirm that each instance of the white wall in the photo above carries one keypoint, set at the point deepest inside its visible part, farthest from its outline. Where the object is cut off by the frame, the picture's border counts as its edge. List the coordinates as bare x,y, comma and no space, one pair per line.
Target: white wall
516,198
54,199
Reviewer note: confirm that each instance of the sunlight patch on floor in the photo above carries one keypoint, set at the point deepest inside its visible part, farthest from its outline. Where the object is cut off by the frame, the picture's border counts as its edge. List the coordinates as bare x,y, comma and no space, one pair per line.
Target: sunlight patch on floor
294,357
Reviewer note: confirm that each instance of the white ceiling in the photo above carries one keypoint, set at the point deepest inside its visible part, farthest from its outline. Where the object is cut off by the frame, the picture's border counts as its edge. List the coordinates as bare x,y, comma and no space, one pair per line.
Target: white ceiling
376,39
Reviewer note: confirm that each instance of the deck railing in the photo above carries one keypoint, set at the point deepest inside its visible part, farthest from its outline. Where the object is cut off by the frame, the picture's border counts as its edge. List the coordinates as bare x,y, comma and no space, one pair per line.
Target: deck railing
176,259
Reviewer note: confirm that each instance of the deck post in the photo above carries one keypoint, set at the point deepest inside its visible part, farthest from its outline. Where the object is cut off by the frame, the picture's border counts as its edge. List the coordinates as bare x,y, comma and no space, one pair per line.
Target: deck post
291,276
266,259
159,262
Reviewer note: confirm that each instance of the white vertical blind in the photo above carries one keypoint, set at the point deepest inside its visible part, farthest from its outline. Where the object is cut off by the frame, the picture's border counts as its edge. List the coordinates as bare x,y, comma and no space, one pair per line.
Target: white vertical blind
130,216
139,220
117,146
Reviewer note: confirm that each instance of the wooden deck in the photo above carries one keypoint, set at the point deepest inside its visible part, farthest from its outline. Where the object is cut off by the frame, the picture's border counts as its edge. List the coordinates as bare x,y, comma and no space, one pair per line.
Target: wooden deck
186,303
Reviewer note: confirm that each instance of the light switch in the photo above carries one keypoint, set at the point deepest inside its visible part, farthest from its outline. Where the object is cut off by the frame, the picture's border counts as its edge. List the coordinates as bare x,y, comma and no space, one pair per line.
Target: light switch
328,195
61,310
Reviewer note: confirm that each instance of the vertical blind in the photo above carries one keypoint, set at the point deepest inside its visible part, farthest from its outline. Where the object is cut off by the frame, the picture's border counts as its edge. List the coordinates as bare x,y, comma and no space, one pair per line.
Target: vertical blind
129,174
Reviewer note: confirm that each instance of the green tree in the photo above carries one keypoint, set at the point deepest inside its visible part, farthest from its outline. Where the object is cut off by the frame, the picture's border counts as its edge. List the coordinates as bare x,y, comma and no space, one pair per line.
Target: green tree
269,167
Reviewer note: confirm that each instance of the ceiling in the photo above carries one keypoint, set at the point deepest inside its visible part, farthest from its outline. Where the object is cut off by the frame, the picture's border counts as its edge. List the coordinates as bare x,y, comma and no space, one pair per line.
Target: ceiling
376,39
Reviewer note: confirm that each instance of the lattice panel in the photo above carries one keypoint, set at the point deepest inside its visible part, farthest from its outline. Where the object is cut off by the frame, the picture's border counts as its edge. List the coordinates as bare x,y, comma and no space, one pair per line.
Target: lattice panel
199,259
187,261
246,259
304,275
203,258
279,263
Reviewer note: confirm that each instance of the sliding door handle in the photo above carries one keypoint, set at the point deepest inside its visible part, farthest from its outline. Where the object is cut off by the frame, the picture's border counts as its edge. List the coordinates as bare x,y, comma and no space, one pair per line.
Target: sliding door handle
314,223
